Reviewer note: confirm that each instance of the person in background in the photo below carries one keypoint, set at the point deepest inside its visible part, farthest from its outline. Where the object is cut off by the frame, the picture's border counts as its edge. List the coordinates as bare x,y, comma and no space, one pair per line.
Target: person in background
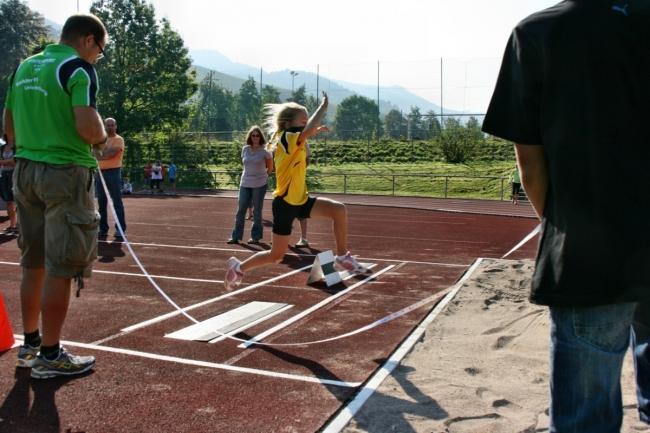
147,175
258,164
171,176
53,186
127,188
7,164
110,164
156,176
573,94
515,179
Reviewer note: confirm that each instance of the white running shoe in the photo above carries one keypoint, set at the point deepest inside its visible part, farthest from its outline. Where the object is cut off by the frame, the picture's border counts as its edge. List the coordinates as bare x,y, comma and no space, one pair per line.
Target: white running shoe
302,243
233,274
350,264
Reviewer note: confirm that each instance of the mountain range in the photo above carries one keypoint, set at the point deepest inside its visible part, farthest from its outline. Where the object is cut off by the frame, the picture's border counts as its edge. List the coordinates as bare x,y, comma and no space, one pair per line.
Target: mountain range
232,74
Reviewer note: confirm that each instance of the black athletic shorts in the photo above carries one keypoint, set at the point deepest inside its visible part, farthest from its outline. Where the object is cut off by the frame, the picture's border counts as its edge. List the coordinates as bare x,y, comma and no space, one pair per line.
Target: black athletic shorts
284,214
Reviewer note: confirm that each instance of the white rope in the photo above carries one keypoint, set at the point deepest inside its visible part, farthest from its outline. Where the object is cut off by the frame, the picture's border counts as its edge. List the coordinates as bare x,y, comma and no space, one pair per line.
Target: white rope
372,325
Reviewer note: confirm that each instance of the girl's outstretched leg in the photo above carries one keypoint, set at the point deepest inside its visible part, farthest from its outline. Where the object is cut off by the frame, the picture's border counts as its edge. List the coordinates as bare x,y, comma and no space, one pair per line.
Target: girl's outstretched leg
236,269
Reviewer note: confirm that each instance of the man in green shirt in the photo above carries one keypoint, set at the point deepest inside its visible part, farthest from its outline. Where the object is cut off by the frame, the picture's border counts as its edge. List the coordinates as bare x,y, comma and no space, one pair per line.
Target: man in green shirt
50,114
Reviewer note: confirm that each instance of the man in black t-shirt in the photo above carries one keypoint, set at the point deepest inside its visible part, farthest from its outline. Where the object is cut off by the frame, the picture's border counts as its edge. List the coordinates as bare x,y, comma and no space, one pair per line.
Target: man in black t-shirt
574,95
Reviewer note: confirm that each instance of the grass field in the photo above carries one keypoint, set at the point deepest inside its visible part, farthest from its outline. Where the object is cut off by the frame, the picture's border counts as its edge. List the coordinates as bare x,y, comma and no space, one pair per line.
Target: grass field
478,179
488,180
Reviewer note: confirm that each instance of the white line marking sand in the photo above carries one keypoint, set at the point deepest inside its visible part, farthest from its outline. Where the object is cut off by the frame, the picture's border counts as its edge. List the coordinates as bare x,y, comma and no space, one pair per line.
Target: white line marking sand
344,416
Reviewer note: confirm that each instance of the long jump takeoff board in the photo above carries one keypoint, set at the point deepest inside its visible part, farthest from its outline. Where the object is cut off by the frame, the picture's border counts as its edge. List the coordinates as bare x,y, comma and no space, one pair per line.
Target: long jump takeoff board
230,322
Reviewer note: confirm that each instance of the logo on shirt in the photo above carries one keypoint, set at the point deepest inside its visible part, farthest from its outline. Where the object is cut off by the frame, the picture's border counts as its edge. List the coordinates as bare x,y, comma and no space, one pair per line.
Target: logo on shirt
621,9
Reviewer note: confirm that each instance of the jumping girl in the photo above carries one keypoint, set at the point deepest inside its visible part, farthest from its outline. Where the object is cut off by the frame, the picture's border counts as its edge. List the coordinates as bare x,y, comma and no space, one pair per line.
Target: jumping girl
291,127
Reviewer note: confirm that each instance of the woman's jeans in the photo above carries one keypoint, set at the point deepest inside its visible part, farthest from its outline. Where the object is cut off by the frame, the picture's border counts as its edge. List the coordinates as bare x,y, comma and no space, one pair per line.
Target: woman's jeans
588,346
249,197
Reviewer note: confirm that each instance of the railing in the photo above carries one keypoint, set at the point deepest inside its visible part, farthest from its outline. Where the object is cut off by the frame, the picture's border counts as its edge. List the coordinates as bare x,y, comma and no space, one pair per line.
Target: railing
406,184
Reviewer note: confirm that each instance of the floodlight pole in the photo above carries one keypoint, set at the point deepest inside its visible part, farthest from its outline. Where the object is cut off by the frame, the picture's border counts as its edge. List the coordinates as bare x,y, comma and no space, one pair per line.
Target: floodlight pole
293,76
441,88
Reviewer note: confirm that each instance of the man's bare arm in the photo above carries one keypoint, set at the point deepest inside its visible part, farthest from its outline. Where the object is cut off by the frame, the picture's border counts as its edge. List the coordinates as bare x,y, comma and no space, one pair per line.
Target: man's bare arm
8,125
534,174
89,125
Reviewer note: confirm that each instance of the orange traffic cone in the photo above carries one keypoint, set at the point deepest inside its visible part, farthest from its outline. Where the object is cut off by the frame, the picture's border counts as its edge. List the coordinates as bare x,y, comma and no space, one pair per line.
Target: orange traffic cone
6,334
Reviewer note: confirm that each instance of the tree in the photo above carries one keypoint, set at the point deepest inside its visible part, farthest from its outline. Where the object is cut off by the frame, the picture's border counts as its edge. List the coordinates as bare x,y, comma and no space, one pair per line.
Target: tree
248,103
395,124
214,111
312,103
356,116
145,79
433,123
417,129
456,143
299,96
21,30
474,130
270,95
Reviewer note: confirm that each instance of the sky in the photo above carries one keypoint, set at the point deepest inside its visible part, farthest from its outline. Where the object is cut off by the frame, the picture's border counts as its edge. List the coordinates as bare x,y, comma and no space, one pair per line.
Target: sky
347,38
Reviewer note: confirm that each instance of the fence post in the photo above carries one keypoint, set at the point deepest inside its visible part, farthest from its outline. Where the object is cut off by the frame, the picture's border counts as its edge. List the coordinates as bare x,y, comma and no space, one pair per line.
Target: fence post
393,185
368,149
345,184
501,189
446,185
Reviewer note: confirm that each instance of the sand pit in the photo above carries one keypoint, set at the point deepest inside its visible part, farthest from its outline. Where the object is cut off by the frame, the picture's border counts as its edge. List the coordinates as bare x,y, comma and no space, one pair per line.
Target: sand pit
482,367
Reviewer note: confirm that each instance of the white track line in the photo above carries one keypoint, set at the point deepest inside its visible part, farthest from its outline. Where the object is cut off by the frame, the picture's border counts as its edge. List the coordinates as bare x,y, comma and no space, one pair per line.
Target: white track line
526,238
191,247
131,274
344,416
215,365
209,301
315,307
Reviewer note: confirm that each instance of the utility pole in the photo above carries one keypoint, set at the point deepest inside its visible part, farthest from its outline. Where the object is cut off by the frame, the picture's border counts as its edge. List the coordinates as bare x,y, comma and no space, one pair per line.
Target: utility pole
378,110
317,82
293,76
442,124
207,105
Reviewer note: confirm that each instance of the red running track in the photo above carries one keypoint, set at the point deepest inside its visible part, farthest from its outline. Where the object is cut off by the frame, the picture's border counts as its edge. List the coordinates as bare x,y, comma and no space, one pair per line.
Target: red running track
144,382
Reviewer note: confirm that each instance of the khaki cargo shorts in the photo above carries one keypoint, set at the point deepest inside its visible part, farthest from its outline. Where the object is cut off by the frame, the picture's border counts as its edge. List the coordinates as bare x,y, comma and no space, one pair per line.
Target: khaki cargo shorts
57,216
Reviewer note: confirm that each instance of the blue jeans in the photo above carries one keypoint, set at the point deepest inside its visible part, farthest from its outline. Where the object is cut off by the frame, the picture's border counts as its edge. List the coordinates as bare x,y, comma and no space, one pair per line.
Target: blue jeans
113,178
587,350
248,197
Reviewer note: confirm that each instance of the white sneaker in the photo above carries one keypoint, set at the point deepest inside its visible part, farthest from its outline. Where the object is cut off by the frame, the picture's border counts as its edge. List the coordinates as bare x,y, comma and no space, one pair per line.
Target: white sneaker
233,275
302,243
350,264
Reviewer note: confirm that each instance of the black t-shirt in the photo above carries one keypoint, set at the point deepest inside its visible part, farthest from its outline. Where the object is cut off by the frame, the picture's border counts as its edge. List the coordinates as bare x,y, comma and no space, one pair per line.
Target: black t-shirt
575,79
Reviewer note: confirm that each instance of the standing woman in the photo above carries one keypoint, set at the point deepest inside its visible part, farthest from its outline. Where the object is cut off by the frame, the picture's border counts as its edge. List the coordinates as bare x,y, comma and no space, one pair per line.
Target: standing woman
258,164
7,165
